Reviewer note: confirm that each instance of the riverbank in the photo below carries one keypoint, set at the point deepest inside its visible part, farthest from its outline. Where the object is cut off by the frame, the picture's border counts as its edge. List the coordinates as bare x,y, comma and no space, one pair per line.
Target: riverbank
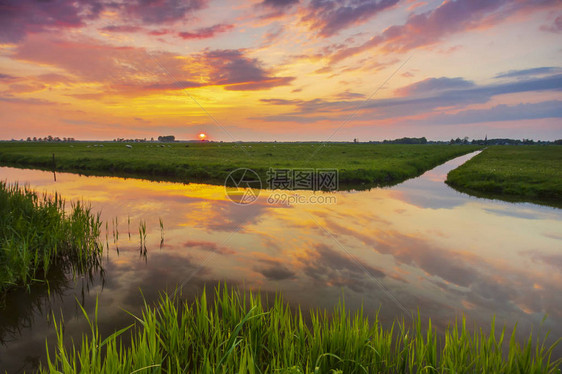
360,166
513,173
233,332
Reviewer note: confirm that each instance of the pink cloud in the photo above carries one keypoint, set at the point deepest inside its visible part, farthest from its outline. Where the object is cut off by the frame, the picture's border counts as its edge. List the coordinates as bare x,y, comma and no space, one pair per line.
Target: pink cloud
133,71
555,27
206,32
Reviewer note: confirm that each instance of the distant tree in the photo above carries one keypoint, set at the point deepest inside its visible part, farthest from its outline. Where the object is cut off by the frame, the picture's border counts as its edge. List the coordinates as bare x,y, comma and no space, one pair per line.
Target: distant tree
28,139
167,138
407,141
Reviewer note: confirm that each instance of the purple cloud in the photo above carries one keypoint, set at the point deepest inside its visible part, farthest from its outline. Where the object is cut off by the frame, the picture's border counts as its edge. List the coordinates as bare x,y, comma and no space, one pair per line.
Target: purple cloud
451,92
279,3
326,265
8,78
233,67
275,8
240,73
277,272
545,109
206,32
347,95
330,17
230,68
162,11
525,73
448,18
434,84
27,101
459,96
122,28
20,17
208,246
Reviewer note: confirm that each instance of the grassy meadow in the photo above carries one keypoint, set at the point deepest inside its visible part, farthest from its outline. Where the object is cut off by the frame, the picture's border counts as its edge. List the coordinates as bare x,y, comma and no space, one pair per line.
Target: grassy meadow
359,164
235,333
514,173
37,234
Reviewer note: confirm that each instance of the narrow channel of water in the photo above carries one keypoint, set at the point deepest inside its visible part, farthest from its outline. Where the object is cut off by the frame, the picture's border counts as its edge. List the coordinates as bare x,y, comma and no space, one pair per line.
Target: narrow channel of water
419,244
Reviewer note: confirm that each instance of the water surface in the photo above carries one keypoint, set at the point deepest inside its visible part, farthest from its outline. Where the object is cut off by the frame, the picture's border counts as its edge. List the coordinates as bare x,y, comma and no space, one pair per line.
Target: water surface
419,244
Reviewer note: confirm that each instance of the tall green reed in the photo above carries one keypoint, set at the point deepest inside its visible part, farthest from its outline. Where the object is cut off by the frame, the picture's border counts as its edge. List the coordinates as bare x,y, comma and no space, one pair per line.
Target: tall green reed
142,237
161,232
234,333
37,232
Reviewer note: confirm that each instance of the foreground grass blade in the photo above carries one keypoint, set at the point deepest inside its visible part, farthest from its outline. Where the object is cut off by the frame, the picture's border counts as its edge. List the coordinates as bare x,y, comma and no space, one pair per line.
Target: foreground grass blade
234,334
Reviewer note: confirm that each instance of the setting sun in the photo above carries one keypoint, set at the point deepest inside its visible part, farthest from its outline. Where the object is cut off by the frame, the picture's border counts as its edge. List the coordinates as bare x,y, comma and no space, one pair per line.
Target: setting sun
202,136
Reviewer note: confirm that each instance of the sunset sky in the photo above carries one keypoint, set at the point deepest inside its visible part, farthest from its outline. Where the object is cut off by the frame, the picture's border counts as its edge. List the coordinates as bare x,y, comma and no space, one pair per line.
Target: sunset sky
283,70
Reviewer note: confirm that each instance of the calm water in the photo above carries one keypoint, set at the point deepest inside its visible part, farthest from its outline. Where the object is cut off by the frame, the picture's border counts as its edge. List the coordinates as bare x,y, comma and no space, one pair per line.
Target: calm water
419,244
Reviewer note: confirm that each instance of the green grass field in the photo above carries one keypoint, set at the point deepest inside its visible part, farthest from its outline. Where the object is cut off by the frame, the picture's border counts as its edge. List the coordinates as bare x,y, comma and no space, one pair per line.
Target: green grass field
359,164
513,173
234,333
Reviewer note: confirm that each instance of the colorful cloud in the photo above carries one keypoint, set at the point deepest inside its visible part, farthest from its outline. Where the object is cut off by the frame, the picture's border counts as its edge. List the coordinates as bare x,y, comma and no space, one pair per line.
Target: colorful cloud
281,69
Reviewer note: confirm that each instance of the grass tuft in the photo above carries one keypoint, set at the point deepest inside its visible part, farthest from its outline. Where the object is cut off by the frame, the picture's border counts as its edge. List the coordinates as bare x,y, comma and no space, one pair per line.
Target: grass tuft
37,233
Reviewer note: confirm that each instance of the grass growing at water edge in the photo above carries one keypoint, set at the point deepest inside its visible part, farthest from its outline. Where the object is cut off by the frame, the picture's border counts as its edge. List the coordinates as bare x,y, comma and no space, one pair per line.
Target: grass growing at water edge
513,173
37,233
234,333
